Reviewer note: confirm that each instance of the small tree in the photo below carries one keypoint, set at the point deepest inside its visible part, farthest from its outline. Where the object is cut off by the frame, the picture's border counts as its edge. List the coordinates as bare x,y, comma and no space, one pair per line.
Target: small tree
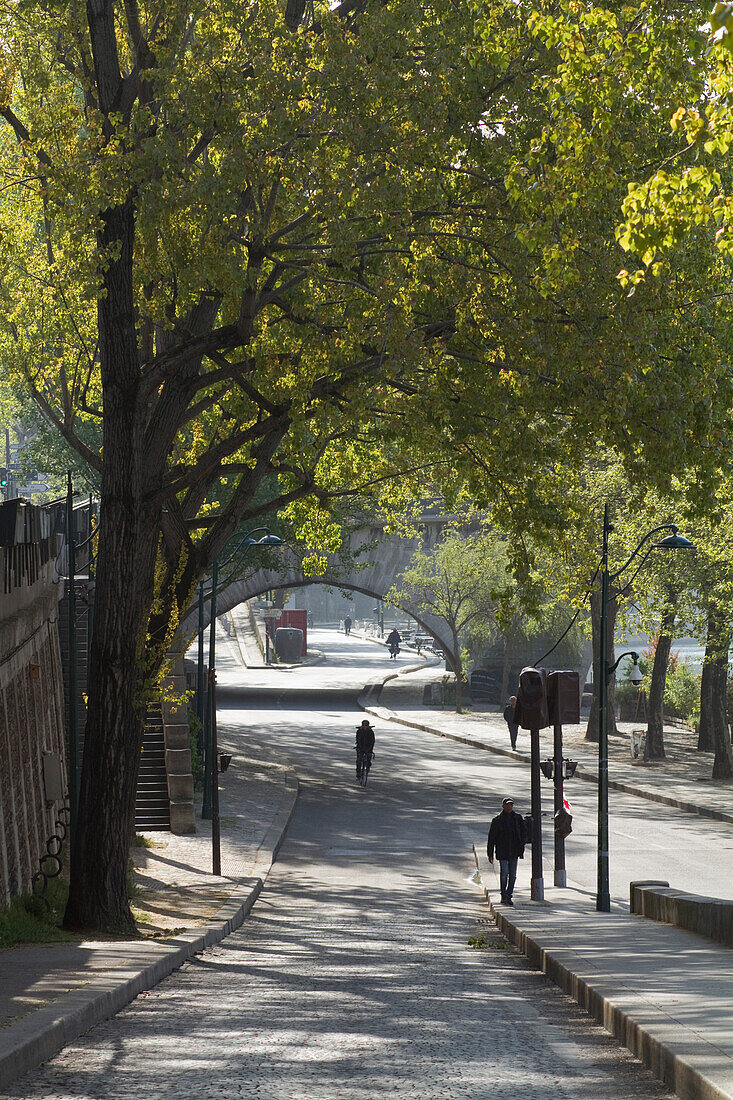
451,582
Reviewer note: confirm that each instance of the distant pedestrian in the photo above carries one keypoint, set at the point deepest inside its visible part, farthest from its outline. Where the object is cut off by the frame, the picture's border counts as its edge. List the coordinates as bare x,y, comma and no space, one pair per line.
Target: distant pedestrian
393,642
507,837
347,624
509,718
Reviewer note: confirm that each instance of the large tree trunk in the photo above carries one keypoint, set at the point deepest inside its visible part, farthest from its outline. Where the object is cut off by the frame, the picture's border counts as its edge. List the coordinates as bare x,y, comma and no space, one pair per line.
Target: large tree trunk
128,538
716,654
591,733
655,701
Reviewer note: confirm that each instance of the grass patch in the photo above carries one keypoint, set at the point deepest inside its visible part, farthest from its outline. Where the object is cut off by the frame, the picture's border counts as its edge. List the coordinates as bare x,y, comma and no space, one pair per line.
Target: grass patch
29,920
140,841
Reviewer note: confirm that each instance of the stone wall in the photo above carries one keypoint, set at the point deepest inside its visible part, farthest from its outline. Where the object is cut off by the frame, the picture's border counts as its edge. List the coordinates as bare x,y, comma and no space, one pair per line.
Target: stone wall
31,709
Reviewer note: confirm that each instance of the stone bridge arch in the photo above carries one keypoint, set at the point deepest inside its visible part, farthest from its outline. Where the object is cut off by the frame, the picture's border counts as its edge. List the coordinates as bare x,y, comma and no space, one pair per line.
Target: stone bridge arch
379,561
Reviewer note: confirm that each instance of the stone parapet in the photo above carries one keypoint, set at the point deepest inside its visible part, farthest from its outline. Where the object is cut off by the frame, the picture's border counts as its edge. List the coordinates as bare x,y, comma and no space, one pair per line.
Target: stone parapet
710,917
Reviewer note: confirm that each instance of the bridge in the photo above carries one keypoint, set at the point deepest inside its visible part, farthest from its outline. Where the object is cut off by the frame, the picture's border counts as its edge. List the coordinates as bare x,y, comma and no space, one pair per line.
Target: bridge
378,560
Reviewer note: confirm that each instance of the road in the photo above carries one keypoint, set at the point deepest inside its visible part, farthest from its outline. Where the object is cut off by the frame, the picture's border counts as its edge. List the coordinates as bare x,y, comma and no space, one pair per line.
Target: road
354,976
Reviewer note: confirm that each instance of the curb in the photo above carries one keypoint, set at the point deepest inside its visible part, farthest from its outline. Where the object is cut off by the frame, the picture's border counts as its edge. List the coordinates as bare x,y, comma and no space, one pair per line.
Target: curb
41,1034
676,1070
387,715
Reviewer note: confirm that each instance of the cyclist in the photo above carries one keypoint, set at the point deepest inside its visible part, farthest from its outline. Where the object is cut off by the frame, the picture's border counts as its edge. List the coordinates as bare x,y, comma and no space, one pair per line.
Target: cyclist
364,747
393,642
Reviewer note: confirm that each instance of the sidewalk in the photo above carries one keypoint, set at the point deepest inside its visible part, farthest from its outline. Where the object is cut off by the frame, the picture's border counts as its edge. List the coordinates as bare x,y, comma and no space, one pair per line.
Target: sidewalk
681,780
663,992
51,993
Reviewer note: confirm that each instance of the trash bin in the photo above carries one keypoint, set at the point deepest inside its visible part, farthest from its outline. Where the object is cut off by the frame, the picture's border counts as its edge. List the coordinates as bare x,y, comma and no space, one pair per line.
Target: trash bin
289,643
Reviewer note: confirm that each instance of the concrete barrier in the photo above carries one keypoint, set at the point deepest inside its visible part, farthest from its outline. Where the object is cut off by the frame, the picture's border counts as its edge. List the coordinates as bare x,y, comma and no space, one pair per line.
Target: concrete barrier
710,917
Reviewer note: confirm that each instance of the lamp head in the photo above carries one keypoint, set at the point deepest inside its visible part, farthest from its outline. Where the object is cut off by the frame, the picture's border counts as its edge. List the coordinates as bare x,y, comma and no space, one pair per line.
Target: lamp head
674,541
635,675
270,540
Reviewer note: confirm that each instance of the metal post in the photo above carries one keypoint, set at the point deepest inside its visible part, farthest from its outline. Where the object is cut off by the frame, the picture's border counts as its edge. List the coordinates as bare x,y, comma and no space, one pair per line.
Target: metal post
72,677
560,873
603,895
200,665
215,823
210,764
537,892
90,571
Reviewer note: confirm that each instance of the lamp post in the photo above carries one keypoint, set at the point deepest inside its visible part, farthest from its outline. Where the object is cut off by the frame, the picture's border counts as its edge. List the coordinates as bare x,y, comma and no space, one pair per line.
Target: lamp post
210,807
673,541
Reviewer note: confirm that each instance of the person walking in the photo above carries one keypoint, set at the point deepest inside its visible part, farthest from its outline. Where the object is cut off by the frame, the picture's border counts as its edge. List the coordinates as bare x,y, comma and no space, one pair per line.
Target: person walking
510,719
393,642
507,837
347,624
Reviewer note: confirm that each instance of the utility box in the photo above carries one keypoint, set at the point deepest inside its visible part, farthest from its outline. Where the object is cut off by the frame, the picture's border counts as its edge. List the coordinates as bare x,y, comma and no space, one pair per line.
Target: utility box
53,777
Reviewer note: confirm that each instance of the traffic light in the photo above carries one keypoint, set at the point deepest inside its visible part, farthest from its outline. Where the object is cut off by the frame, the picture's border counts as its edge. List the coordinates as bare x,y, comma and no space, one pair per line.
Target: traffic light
547,767
531,710
563,697
3,477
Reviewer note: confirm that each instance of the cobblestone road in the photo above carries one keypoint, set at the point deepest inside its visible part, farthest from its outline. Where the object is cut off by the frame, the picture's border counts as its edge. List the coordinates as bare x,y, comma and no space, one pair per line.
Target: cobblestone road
349,983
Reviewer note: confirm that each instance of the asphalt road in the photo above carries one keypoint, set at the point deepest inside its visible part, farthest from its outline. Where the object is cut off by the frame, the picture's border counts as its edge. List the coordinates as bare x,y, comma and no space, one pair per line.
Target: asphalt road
463,785
354,976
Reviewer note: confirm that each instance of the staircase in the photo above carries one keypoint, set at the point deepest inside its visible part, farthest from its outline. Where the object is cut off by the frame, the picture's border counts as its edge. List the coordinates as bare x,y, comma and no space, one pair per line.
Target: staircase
152,805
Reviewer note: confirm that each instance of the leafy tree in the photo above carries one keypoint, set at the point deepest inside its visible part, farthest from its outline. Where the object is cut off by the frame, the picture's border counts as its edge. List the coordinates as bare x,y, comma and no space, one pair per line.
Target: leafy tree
318,251
452,581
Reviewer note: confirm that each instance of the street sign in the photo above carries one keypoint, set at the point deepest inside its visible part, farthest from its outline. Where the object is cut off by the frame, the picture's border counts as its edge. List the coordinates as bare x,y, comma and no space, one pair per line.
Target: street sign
33,487
271,613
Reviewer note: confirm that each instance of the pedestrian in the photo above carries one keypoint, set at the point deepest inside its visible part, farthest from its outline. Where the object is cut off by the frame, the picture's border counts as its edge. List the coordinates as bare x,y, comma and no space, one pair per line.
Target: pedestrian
507,837
510,719
347,624
393,642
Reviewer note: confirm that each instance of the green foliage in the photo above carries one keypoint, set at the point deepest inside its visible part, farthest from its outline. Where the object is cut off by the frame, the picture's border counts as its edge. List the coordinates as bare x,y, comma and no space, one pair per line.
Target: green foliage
140,841
29,920
682,690
626,693
195,729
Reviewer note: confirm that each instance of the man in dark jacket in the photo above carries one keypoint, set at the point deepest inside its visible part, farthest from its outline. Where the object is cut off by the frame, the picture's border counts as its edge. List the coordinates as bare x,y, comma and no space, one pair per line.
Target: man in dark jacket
509,718
507,837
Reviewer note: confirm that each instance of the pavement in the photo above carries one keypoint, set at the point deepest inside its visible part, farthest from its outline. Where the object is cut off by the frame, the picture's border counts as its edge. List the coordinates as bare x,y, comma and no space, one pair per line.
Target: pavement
51,993
663,992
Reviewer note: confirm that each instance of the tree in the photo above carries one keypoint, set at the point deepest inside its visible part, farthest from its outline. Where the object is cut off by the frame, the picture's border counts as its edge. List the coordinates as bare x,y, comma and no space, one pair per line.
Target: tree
256,261
453,582
209,263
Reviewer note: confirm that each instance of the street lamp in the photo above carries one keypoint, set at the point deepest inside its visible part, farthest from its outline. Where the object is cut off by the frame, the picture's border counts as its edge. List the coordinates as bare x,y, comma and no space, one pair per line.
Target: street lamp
673,541
210,807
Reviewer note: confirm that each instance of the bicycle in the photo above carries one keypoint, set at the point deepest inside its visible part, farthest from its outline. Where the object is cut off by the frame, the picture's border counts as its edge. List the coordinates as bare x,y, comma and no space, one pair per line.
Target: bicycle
363,764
